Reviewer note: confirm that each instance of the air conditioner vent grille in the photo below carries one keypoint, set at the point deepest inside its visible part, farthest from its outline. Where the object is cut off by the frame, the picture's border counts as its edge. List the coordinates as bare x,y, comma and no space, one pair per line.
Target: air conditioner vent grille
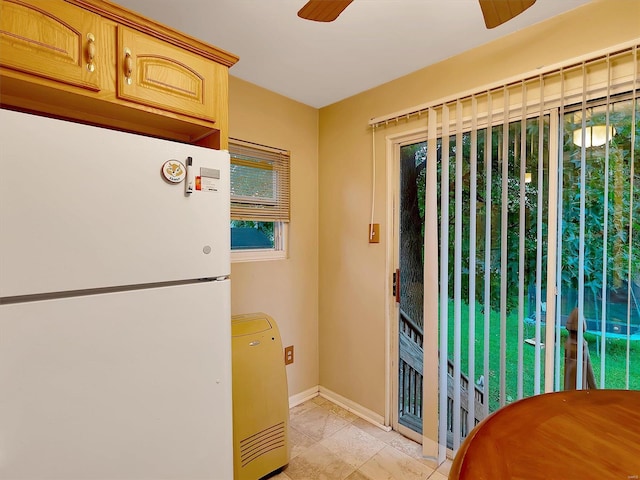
258,444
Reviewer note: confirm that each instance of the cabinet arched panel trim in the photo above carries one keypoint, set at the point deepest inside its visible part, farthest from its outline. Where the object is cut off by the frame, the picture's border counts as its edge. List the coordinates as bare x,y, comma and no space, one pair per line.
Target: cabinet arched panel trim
160,75
50,44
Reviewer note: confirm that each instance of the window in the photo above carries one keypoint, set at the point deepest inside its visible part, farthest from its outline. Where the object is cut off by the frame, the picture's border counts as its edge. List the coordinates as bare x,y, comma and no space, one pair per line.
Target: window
259,201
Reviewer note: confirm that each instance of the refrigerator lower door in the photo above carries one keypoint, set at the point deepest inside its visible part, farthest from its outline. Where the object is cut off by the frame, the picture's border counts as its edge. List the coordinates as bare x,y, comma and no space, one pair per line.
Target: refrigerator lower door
128,385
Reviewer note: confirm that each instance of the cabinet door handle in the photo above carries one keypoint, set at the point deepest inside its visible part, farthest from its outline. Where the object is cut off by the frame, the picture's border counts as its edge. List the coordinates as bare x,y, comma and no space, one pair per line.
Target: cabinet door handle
128,66
91,52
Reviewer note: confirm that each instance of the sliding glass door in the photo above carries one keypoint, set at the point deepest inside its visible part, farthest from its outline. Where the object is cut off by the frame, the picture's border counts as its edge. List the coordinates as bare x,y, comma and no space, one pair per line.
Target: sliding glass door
518,242
503,209
492,221
600,241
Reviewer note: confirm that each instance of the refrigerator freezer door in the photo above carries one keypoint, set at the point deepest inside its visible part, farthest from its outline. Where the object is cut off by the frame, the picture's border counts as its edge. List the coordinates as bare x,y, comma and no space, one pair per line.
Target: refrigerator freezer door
83,207
128,385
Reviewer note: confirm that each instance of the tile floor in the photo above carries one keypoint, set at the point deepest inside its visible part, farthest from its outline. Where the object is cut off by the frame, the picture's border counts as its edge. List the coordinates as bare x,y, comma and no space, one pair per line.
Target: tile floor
331,443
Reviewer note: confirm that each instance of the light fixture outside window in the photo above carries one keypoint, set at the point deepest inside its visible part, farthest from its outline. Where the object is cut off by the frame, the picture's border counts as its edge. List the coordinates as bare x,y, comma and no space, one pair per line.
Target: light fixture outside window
595,136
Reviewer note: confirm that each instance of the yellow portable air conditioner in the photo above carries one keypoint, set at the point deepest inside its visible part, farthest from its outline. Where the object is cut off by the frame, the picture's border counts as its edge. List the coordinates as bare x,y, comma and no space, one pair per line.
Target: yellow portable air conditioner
260,397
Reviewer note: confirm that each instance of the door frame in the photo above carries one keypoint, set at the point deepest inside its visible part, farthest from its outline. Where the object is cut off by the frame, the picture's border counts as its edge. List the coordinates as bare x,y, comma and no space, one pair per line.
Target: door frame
393,142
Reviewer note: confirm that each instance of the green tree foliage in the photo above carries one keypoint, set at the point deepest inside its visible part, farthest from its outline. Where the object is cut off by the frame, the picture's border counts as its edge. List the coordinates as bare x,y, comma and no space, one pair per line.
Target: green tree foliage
514,195
612,205
622,202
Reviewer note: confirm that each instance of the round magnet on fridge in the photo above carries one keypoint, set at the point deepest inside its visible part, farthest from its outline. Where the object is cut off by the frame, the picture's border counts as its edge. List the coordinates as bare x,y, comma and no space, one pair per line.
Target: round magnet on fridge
174,171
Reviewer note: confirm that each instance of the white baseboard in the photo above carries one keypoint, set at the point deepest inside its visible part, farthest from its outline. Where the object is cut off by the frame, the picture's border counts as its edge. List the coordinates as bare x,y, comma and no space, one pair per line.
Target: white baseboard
302,397
355,408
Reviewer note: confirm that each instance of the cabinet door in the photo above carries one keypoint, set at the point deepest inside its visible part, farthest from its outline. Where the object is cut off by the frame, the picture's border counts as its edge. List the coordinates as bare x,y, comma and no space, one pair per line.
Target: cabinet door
50,39
154,73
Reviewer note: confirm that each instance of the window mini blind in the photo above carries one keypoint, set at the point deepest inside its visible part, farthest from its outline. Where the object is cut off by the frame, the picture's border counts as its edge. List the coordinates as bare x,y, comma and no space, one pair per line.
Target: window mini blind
259,182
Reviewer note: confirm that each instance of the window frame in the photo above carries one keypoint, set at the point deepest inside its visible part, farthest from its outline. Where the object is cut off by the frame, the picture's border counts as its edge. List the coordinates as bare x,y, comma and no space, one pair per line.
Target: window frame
279,250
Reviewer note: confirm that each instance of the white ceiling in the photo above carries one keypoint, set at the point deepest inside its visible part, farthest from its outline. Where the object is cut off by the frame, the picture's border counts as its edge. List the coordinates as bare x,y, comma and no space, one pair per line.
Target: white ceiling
371,43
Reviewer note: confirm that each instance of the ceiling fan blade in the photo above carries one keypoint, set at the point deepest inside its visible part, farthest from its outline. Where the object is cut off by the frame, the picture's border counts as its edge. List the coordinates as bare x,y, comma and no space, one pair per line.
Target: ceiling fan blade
323,10
497,12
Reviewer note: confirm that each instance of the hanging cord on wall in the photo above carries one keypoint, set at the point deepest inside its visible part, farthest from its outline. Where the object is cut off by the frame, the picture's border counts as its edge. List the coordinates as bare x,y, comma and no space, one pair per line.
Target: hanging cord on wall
373,181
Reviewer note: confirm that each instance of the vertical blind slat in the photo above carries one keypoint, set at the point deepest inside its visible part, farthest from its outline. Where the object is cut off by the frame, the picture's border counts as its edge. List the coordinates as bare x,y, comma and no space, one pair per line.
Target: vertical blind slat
605,237
432,426
457,268
583,168
504,233
559,235
540,187
488,162
444,272
551,343
521,246
473,173
631,186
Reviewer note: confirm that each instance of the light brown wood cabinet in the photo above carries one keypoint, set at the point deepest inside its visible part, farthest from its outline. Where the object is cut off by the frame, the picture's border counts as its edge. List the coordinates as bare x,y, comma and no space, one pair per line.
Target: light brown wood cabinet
96,62
53,40
155,73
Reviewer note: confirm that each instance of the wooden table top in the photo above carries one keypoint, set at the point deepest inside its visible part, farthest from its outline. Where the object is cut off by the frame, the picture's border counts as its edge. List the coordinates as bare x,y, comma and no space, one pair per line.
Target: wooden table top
578,434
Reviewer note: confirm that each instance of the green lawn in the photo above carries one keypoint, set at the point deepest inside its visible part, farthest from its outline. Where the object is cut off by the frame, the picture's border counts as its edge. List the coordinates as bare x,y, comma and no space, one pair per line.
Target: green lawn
615,366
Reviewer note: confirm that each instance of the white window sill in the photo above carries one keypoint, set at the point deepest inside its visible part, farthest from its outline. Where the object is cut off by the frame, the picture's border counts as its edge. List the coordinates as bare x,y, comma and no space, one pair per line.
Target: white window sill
239,256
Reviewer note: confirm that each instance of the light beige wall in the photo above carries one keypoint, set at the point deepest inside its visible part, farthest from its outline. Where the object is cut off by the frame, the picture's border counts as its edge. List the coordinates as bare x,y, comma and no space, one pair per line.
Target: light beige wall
285,289
352,272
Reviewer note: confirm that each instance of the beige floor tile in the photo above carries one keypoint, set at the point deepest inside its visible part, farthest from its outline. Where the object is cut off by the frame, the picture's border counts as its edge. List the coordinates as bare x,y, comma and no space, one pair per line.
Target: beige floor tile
319,400
302,408
318,463
445,467
353,445
437,476
411,448
339,411
299,442
405,445
374,431
394,439
330,443
357,475
318,423
392,464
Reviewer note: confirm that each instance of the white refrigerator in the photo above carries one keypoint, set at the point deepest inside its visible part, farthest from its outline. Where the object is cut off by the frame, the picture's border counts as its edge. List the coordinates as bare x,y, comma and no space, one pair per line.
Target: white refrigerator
115,329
